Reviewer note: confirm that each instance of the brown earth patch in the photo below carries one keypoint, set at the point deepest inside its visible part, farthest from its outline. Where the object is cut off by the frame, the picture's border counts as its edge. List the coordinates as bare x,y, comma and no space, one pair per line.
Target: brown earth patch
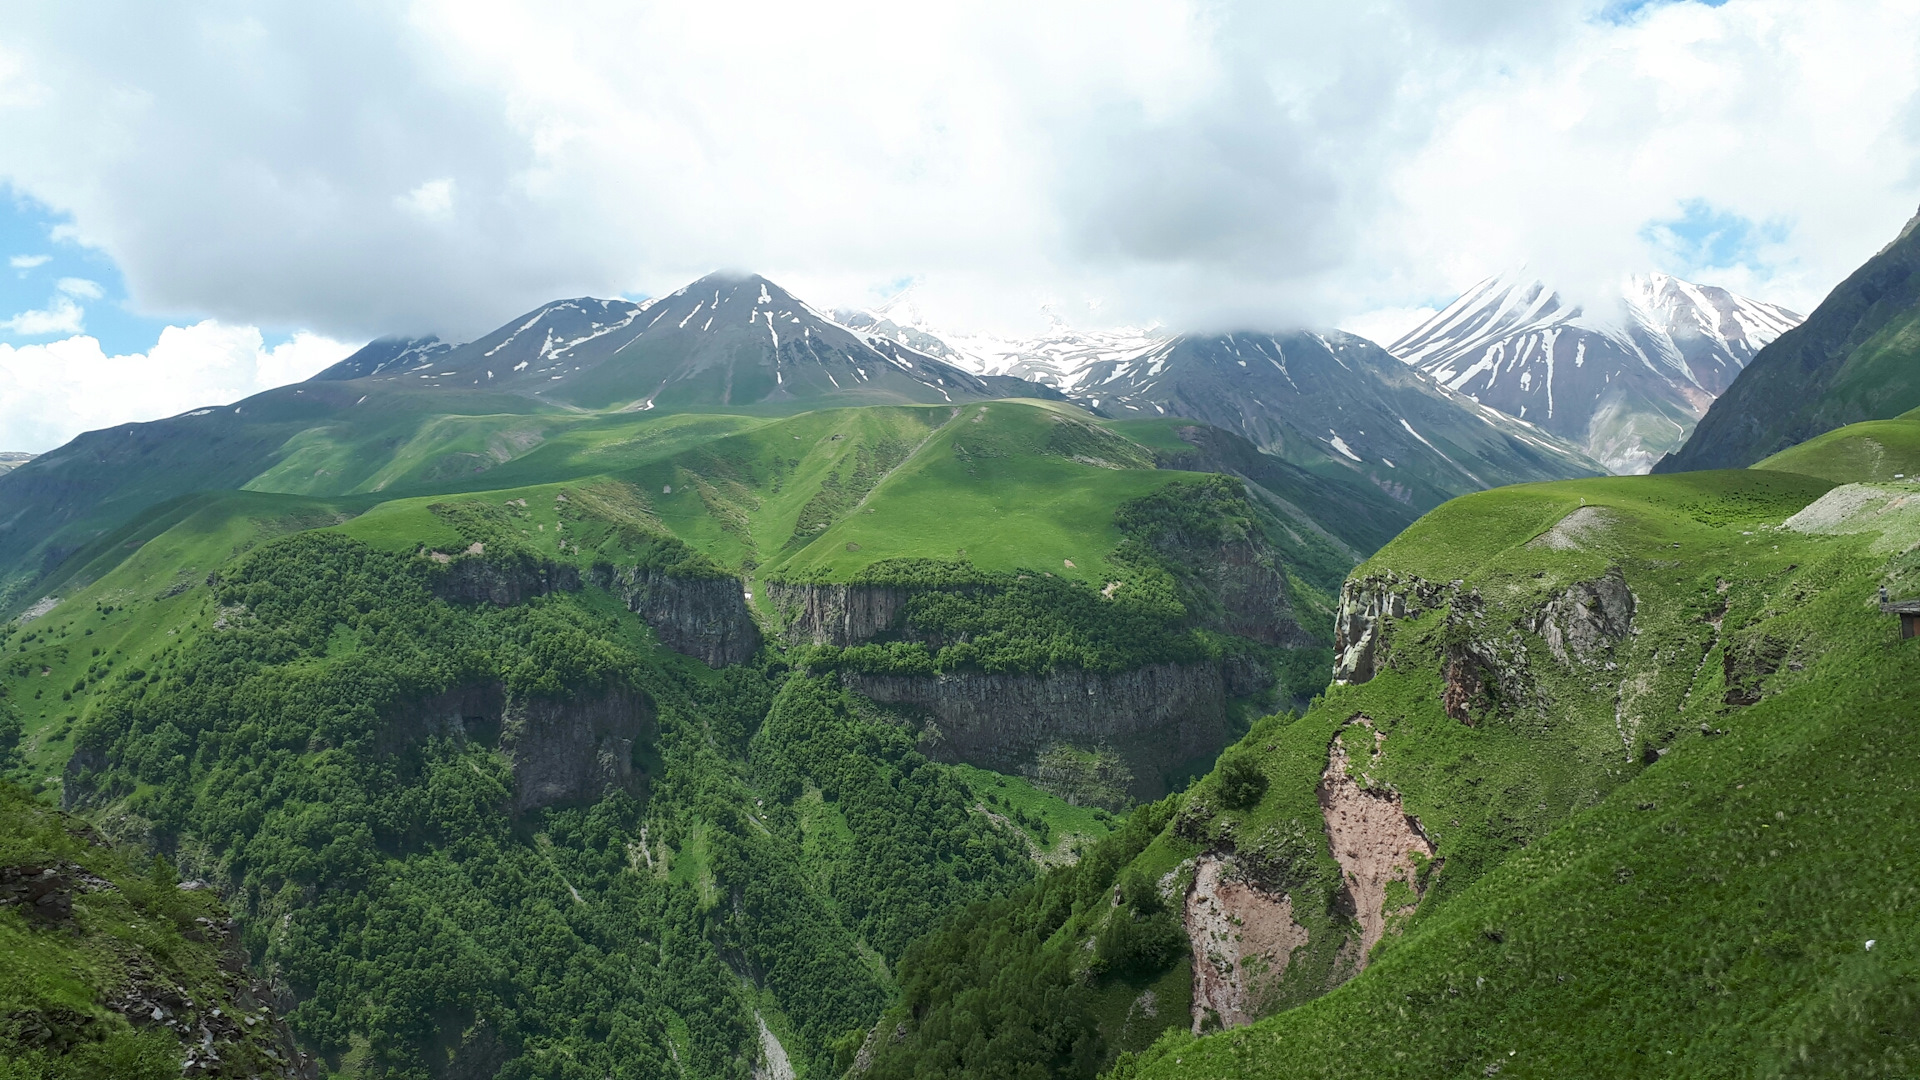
1375,843
1242,939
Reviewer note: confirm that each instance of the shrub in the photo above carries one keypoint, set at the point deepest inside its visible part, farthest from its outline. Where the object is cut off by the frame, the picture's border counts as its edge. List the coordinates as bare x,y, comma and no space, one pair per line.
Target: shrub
1242,781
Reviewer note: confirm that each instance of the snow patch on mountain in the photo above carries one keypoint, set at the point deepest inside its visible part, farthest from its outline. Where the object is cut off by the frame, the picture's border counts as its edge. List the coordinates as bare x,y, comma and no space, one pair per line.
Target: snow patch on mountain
1626,379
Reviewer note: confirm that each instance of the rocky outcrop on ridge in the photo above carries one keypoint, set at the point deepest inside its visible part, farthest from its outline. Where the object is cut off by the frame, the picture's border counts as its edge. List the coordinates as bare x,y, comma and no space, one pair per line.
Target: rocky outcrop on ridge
841,615
704,617
1362,626
503,582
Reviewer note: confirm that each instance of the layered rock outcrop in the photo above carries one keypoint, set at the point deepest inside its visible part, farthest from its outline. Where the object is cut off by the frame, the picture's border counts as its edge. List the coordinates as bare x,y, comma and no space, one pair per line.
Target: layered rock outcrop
1156,716
1252,588
1361,627
702,617
1583,622
705,617
841,615
503,582
562,751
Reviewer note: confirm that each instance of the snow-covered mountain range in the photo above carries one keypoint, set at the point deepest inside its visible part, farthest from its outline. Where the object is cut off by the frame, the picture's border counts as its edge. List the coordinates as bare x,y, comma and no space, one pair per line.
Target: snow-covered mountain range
1330,402
1061,357
1626,379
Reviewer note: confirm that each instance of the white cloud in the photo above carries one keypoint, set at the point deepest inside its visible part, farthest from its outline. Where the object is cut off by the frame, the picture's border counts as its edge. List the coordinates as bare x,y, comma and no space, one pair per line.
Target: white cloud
28,262
1200,162
51,392
62,316
1384,326
431,201
80,287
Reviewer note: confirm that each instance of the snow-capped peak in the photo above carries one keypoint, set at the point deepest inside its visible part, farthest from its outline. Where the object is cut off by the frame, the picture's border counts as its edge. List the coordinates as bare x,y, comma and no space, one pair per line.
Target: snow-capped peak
1626,376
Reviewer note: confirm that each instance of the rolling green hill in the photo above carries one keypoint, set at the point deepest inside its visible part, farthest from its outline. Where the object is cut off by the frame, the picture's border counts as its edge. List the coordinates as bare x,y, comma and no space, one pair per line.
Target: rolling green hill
1874,450
1612,787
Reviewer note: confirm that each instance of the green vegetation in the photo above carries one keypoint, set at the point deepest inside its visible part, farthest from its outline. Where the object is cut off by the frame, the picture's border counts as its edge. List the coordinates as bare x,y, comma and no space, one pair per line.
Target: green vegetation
374,858
1662,853
94,941
1006,990
1875,450
273,687
1693,899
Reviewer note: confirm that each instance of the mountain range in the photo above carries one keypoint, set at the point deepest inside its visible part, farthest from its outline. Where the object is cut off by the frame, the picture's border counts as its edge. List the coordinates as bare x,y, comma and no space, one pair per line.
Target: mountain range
396,413
725,340
1328,401
1625,380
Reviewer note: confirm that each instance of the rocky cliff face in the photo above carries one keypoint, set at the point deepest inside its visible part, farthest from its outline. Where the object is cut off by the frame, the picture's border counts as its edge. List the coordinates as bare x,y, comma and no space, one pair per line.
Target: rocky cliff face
842,615
562,751
503,581
1363,625
705,618
1481,669
1155,716
1252,589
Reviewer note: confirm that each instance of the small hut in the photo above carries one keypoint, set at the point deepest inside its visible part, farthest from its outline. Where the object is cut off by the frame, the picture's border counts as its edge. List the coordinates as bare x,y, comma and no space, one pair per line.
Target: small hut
1909,612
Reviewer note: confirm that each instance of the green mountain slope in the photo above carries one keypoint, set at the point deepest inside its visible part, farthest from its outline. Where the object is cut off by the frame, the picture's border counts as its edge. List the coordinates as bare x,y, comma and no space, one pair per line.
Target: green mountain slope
111,967
1857,357
1612,788
498,779
1874,450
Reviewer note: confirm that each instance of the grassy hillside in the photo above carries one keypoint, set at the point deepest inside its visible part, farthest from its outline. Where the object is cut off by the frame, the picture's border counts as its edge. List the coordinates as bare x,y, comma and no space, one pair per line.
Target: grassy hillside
1664,854
247,681
110,967
1875,450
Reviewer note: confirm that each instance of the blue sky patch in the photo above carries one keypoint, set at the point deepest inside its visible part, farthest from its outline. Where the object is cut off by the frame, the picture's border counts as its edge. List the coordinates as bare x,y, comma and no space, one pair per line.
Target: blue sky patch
1705,237
52,287
1621,12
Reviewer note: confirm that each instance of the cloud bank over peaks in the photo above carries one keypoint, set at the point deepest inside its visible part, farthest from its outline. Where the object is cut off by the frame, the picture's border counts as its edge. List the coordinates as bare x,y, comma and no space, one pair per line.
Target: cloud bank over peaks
1209,164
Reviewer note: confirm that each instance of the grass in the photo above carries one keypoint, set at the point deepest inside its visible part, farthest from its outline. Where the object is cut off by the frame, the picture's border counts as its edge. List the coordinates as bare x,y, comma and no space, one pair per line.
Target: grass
1873,450
134,933
1642,877
1057,829
149,597
1007,484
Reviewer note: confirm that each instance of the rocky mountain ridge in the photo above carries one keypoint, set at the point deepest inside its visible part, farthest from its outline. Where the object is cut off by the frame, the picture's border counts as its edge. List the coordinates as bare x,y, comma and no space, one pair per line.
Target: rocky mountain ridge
1625,378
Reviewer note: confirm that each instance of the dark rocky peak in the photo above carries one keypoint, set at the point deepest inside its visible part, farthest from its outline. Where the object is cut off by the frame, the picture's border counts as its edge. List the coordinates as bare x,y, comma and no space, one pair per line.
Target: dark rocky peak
1853,359
388,354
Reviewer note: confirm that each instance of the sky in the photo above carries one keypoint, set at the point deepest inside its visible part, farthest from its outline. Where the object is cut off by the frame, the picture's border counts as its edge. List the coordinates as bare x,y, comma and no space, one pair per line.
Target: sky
201,200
